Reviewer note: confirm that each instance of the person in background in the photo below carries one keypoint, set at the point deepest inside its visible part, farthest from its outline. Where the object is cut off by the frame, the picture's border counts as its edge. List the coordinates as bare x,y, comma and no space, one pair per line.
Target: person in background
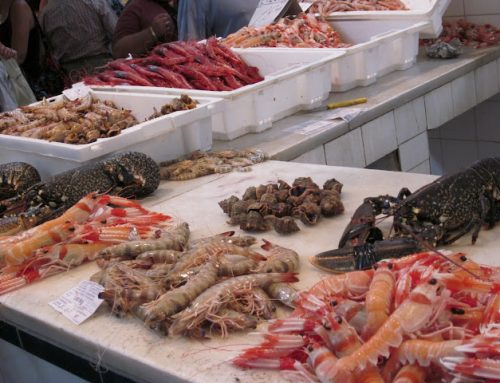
19,31
7,97
79,33
199,19
143,24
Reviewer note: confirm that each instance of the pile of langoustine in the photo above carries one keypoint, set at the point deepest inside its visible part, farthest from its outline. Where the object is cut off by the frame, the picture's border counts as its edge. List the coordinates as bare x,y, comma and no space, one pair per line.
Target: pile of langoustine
325,7
79,121
302,31
421,318
186,65
469,34
92,224
200,288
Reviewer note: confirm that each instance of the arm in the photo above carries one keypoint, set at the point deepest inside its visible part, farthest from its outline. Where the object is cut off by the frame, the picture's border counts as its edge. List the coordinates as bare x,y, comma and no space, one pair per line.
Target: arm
22,22
136,43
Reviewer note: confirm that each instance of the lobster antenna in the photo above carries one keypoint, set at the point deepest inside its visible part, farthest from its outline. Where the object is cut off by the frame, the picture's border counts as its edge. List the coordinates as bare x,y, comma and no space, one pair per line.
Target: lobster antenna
428,246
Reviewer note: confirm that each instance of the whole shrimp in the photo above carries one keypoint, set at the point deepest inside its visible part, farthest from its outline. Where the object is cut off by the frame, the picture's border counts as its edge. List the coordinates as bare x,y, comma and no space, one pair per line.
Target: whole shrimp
279,259
207,304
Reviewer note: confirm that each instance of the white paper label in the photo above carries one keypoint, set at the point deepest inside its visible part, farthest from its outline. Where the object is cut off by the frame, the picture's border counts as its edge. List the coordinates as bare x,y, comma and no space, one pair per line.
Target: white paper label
304,5
80,302
78,90
310,127
267,11
346,114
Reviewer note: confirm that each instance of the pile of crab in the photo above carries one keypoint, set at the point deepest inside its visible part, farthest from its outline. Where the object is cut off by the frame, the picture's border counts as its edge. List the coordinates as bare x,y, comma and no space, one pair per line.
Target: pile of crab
421,318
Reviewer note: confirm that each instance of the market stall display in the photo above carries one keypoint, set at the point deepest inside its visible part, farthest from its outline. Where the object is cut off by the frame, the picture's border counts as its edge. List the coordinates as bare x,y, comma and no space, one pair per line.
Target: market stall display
301,31
277,205
164,137
325,7
128,174
199,164
187,65
433,314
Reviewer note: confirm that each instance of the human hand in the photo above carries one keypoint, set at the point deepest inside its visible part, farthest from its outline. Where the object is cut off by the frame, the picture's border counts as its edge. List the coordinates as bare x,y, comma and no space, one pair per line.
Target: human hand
7,53
163,26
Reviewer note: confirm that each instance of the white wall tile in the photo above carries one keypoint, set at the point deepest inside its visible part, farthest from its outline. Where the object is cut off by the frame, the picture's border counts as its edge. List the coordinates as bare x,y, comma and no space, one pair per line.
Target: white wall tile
481,7
486,81
485,19
439,106
462,127
458,154
463,92
436,156
488,149
456,8
346,150
410,120
488,121
414,152
315,156
423,168
379,137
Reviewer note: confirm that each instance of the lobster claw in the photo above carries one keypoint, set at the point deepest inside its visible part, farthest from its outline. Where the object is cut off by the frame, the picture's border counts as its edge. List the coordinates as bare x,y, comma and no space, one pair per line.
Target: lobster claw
364,256
361,229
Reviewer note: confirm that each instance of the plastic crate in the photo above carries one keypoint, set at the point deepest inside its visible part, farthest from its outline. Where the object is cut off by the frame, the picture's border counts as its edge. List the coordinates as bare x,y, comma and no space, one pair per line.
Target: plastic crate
164,138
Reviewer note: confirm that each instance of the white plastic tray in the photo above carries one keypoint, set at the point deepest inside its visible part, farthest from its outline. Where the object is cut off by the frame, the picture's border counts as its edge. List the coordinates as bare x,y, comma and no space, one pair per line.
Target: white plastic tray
378,48
285,90
418,10
163,138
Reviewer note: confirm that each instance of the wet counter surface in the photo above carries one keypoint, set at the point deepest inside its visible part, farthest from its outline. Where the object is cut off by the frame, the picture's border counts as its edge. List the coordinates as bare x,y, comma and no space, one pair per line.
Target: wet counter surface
126,347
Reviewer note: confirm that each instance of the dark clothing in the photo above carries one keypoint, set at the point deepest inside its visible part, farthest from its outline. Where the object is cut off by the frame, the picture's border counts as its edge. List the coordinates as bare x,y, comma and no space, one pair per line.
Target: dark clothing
199,19
138,15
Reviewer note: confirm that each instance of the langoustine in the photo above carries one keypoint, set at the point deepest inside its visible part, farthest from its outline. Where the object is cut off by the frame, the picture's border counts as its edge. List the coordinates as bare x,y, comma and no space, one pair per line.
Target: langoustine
422,336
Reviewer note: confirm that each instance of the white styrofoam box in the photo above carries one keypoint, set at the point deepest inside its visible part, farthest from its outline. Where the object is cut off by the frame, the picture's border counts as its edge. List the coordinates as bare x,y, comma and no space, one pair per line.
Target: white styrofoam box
164,138
253,108
431,11
378,48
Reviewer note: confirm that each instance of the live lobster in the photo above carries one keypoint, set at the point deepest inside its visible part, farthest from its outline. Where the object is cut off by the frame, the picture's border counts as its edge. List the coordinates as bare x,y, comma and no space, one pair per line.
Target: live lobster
437,214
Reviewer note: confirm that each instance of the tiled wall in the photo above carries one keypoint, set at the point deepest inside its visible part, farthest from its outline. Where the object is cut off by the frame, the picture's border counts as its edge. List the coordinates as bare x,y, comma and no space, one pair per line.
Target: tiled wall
476,11
473,135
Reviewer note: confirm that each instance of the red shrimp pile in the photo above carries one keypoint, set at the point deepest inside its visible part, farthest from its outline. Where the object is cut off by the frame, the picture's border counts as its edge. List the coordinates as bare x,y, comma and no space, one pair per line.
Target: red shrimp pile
185,65
422,317
469,34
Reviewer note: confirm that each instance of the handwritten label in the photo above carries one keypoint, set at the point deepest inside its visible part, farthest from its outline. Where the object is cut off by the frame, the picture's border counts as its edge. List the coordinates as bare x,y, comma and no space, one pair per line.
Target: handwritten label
78,90
267,11
80,302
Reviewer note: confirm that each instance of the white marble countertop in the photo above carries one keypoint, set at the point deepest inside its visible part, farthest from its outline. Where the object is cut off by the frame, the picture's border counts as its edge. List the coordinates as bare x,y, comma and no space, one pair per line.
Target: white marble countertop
284,141
128,348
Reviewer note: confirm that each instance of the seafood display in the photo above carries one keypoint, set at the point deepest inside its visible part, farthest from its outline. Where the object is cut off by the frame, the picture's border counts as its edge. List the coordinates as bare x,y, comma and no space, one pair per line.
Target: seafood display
325,7
469,34
187,65
90,225
302,31
184,102
199,164
16,178
424,317
129,174
205,287
81,121
437,214
278,205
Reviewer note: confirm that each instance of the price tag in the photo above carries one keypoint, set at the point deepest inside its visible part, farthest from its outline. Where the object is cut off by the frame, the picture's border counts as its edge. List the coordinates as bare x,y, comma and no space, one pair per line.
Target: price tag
310,127
78,90
267,11
80,302
304,5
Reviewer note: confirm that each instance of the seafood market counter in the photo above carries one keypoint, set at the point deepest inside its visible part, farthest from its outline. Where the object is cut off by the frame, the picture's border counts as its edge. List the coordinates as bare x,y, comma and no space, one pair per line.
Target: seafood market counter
126,347
402,107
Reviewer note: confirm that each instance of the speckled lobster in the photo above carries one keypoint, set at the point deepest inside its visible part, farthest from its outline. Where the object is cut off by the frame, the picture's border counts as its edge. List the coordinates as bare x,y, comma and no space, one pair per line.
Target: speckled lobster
129,174
437,214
